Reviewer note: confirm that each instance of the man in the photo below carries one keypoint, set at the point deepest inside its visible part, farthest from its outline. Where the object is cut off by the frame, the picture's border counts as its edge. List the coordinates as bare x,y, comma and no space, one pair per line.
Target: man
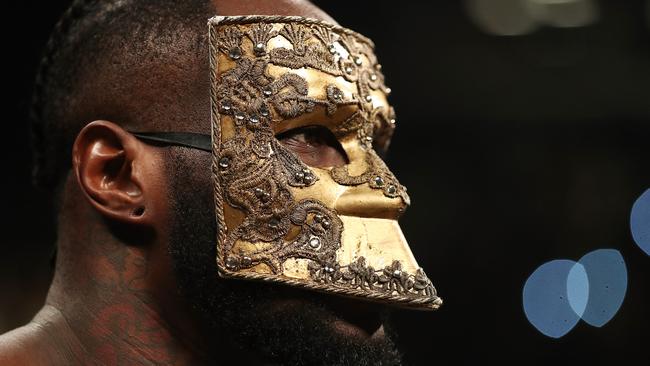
288,183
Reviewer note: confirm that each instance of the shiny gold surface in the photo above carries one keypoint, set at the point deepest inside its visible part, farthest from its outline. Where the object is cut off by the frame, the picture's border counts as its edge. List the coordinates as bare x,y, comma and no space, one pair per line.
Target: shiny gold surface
369,217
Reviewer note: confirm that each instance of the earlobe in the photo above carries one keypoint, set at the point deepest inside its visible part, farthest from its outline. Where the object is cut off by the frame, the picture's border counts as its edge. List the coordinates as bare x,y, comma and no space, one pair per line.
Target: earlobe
107,163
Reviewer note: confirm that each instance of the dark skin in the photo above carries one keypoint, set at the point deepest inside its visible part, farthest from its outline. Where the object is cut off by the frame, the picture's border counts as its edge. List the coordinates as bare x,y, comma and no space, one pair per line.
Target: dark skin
113,299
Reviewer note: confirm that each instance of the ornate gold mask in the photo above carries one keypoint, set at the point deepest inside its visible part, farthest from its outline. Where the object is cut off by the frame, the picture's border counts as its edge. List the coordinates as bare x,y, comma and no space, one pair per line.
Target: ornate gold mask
333,230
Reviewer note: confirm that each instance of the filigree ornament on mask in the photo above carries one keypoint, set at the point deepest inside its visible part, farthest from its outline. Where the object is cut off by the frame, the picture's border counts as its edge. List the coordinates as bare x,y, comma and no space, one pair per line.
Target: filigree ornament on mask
269,73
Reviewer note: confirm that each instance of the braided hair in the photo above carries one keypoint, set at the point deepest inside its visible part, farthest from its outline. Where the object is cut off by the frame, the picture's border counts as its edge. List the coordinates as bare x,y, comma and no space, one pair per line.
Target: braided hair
97,41
37,111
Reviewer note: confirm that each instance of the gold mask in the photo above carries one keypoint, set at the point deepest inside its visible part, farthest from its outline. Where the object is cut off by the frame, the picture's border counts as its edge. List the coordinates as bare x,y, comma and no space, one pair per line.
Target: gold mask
333,230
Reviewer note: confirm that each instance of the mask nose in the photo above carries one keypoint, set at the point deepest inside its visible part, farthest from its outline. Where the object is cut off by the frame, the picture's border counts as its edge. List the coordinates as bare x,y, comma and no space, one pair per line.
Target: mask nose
363,201
369,188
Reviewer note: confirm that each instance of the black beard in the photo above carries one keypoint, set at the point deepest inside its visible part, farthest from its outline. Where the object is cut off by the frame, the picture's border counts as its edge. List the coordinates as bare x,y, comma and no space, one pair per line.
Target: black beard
244,318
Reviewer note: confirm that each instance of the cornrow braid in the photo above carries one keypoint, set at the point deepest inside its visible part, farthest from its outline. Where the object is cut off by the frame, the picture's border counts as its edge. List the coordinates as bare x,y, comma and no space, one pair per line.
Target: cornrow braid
42,175
100,55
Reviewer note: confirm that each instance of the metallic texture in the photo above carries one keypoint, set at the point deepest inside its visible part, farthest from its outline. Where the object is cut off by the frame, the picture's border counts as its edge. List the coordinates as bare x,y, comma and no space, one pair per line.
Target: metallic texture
328,229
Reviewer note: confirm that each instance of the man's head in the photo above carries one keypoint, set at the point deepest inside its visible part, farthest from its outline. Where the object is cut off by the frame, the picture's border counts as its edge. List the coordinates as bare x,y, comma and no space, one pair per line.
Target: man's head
143,65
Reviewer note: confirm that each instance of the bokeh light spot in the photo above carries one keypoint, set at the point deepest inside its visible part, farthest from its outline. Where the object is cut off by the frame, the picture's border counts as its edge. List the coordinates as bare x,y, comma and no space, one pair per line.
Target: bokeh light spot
607,276
501,17
521,17
640,222
564,13
546,302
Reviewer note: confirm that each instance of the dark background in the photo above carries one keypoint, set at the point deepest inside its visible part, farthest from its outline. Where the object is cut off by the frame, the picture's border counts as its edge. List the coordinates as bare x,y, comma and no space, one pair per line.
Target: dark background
516,150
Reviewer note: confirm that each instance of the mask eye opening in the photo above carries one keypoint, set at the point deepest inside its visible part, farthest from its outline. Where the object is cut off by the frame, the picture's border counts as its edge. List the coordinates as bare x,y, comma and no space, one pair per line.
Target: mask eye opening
313,139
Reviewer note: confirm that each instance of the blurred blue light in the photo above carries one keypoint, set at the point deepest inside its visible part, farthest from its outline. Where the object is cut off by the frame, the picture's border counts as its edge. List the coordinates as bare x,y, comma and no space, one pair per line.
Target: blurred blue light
561,292
578,289
640,222
607,276
546,302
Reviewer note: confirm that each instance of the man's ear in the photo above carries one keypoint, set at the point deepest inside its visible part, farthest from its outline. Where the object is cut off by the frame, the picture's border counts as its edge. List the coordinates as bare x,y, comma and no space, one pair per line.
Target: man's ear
109,164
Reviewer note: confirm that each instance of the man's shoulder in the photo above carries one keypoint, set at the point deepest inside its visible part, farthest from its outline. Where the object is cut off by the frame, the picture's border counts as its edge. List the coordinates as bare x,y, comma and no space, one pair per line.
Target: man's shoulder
18,347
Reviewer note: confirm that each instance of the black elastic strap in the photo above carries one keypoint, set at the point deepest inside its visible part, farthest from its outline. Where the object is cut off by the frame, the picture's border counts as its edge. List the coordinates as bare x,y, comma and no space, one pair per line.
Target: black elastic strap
186,139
